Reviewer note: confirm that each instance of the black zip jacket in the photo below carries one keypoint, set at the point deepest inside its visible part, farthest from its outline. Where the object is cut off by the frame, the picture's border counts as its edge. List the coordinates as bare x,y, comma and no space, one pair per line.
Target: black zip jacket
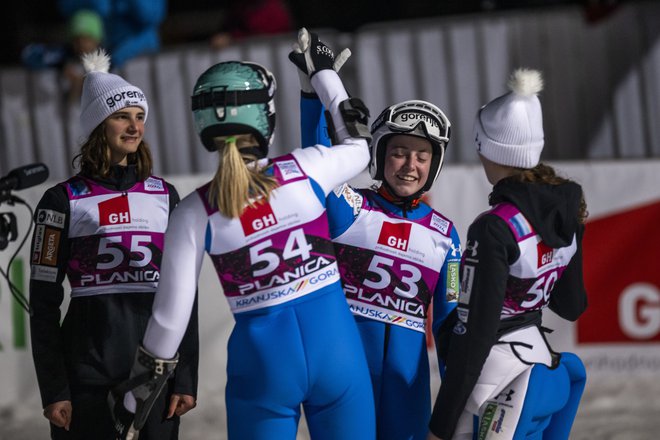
97,341
552,211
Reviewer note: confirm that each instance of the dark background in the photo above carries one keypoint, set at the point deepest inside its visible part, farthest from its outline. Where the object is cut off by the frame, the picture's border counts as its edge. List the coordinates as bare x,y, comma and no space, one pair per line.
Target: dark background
31,21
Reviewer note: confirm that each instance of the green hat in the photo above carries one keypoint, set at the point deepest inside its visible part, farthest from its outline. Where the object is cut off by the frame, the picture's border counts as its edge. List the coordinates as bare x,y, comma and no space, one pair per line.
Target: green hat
86,23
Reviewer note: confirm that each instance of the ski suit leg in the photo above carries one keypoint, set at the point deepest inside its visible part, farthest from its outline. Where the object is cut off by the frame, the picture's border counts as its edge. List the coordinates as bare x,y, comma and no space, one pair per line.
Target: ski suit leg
340,402
398,364
501,368
306,353
552,400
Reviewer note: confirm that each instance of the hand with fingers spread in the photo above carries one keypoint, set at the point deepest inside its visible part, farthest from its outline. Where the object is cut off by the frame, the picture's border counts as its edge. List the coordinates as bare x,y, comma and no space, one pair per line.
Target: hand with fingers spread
311,55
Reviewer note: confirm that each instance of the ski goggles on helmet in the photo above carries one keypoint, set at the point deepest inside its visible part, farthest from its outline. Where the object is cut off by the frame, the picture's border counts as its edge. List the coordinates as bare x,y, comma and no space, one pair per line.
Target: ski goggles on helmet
416,117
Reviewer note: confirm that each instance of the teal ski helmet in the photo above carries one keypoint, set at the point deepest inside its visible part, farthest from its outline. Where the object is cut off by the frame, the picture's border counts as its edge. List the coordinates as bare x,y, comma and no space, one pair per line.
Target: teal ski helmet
235,97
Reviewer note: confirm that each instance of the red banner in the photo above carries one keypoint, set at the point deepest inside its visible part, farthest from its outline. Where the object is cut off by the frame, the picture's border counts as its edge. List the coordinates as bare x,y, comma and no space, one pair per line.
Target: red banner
622,277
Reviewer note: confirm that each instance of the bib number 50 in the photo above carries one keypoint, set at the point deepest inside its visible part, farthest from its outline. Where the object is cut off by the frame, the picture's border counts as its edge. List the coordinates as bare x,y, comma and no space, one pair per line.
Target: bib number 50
541,289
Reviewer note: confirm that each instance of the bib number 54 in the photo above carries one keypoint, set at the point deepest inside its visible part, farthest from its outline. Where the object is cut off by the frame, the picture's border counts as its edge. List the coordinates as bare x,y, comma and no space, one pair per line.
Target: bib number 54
296,246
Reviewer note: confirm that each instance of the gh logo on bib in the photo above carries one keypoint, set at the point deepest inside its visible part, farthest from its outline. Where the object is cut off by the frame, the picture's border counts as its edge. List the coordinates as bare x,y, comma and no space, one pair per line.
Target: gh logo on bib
257,217
395,235
114,211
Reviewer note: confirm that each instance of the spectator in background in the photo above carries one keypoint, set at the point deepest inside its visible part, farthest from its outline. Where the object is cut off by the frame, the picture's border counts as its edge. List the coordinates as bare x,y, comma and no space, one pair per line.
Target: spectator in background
131,26
85,35
249,18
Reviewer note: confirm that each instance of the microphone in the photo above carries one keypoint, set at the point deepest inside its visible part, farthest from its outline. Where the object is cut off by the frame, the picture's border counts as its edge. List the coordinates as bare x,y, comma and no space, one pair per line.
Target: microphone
24,177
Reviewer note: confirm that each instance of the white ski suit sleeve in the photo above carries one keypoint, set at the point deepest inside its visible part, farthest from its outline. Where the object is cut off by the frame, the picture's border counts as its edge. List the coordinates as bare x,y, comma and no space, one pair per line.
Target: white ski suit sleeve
180,268
330,167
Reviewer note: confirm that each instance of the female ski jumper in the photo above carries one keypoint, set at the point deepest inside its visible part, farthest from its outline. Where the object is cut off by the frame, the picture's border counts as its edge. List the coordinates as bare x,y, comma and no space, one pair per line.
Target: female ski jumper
102,230
523,255
395,260
294,341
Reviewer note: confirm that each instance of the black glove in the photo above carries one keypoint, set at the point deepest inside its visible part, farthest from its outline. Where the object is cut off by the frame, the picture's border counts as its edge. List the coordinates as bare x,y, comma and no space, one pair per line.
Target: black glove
121,417
148,377
311,55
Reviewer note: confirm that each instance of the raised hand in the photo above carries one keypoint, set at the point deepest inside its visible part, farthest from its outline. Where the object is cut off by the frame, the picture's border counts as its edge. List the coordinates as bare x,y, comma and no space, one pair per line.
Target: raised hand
311,55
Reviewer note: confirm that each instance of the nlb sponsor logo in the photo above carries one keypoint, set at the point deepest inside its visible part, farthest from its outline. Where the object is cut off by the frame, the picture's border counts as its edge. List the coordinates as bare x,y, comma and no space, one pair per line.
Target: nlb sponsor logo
50,218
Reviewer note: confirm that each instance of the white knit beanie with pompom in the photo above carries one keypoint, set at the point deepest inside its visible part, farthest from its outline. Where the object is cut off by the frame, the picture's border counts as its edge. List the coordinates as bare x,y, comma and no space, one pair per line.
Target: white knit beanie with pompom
509,129
104,93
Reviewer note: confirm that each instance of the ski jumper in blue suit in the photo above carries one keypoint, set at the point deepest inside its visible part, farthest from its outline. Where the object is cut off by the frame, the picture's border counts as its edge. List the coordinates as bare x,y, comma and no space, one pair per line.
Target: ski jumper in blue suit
295,342
389,292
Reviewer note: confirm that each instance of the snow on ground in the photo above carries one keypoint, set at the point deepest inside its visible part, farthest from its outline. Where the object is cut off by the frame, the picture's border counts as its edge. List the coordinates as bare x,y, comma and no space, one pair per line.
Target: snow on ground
614,407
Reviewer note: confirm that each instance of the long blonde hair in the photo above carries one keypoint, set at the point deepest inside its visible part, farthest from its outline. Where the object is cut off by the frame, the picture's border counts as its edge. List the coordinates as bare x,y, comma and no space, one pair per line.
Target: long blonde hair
543,173
237,184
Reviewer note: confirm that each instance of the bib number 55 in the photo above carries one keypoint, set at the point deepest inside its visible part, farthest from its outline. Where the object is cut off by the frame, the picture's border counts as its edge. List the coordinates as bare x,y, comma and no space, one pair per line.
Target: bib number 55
139,246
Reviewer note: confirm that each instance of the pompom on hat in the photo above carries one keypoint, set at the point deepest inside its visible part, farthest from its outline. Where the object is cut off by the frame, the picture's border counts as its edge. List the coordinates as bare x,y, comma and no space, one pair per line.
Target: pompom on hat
104,93
509,129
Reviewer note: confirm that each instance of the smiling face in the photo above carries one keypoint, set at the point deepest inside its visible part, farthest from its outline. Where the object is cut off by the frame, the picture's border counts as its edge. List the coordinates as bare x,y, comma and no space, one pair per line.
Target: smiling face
407,164
124,130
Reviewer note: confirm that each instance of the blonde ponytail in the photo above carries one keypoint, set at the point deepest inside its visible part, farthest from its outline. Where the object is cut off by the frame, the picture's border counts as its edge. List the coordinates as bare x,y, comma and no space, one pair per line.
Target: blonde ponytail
236,184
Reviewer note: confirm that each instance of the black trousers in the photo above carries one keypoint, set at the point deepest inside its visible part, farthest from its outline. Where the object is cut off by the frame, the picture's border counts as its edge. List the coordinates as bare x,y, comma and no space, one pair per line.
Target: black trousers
91,419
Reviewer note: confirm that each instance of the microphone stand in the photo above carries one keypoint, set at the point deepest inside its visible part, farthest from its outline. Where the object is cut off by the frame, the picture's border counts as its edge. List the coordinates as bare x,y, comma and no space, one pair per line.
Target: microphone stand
9,232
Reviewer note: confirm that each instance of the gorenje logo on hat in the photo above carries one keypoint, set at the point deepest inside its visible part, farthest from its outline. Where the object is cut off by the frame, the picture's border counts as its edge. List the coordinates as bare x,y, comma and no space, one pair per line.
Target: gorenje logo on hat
131,96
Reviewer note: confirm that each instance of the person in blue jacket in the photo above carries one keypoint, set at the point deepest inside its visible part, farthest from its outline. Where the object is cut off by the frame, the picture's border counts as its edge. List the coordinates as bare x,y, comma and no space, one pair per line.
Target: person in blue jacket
396,254
131,26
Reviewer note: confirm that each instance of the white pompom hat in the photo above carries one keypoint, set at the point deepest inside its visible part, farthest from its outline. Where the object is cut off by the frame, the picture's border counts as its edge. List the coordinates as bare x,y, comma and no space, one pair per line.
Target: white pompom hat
509,129
104,93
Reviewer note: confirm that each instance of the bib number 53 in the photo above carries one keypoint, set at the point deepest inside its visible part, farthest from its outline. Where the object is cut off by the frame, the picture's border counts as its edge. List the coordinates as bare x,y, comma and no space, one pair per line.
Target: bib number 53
407,287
